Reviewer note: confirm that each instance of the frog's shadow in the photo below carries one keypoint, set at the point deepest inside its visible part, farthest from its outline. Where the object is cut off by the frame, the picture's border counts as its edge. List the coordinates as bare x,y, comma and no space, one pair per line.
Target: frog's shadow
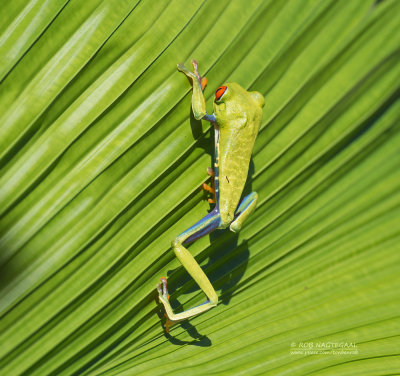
227,259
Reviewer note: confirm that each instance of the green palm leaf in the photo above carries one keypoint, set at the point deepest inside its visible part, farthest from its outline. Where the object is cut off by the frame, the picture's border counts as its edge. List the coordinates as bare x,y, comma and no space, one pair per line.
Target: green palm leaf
101,164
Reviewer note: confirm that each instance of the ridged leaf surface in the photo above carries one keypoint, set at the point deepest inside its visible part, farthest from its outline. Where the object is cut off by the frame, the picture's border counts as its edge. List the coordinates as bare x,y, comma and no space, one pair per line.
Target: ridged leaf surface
102,163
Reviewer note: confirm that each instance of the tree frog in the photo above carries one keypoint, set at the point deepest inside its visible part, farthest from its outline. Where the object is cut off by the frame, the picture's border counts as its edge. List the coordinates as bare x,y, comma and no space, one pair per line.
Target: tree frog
236,119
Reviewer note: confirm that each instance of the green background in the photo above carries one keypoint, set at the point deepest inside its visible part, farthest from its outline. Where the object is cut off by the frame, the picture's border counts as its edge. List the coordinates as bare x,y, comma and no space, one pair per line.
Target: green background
101,164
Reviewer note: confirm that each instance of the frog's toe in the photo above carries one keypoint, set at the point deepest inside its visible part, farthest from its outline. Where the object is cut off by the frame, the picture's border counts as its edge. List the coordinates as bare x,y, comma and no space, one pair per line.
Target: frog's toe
181,68
203,83
202,80
195,64
162,290
168,323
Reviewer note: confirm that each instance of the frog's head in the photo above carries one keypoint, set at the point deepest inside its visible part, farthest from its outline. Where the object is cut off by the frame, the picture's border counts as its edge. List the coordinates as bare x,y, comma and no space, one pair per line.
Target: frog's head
233,93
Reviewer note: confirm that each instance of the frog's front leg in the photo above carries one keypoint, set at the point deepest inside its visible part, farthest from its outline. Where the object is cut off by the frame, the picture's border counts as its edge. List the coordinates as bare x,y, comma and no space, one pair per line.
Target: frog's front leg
198,100
209,223
246,207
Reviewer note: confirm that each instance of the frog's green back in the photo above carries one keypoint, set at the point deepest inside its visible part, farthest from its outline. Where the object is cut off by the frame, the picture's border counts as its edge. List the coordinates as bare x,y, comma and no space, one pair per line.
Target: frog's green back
239,118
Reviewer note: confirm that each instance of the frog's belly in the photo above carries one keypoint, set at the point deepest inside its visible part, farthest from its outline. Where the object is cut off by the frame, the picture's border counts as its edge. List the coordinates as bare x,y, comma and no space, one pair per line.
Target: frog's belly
232,179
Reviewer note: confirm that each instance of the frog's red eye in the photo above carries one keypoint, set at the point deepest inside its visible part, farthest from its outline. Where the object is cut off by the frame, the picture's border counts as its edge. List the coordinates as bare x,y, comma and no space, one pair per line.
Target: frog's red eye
220,92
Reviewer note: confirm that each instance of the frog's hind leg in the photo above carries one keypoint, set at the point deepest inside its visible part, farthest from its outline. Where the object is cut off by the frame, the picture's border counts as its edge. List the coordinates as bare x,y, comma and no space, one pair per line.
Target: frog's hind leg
246,207
209,223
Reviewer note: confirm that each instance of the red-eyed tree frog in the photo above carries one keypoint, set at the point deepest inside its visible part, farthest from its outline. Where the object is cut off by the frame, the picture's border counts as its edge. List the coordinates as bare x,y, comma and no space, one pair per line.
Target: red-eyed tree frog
236,120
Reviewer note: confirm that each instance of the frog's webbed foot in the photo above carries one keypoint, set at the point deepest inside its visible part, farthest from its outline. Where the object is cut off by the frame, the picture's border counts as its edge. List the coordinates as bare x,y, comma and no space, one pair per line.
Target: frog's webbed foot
211,189
162,290
198,84
163,296
202,80
193,75
181,68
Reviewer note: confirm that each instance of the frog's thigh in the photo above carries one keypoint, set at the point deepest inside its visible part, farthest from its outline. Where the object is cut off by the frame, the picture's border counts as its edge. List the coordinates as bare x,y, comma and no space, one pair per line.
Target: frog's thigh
246,207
